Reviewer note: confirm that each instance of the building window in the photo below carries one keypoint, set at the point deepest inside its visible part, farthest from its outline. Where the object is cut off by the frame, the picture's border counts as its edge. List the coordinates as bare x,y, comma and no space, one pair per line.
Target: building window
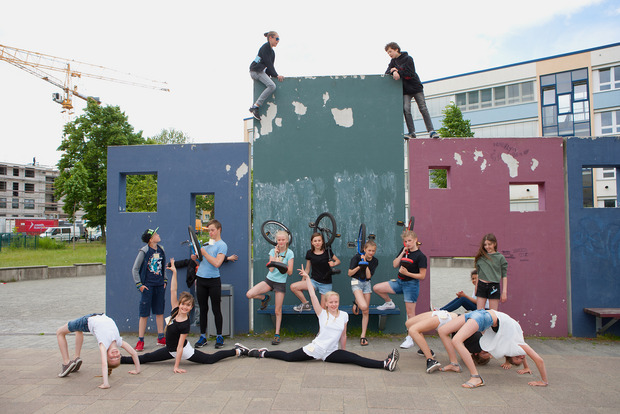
15,189
588,193
2,170
610,122
565,103
15,203
15,172
2,202
526,197
609,78
2,185
609,173
29,172
29,203
29,187
497,96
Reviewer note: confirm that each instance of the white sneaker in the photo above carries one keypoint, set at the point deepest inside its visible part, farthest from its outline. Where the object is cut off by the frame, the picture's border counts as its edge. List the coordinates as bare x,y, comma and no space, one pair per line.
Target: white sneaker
386,306
408,343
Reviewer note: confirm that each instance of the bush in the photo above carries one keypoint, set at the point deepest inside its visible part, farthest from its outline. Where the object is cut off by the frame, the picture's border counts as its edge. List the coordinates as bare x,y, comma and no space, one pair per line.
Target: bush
50,244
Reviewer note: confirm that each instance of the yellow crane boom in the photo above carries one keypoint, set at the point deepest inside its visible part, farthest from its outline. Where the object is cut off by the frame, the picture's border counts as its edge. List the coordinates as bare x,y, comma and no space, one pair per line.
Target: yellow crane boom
47,67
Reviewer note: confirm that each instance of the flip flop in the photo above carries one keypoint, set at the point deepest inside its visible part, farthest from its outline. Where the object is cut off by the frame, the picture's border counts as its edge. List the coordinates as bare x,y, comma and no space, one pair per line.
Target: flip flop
470,385
363,341
355,309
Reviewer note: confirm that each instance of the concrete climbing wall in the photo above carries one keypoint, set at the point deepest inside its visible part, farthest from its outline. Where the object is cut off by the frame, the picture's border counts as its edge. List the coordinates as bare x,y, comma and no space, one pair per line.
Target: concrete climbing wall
182,172
594,235
330,144
451,222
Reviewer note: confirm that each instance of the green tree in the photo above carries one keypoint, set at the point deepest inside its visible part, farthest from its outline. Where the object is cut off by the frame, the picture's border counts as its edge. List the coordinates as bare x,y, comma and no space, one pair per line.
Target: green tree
85,142
75,184
453,125
169,136
204,203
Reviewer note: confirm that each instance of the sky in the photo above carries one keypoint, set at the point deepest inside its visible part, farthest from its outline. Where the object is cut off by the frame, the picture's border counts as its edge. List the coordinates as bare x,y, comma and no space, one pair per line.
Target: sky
203,51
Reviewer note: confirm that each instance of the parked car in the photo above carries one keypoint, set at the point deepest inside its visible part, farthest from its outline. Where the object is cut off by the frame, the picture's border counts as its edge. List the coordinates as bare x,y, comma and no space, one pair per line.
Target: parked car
94,235
61,233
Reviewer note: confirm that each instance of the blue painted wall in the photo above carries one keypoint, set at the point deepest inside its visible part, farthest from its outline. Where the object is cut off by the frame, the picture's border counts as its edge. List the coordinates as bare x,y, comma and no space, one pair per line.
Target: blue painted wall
594,235
182,172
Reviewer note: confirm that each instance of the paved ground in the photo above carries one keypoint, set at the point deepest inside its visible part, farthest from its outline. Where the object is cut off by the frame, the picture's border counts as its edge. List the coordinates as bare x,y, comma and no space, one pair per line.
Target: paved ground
584,374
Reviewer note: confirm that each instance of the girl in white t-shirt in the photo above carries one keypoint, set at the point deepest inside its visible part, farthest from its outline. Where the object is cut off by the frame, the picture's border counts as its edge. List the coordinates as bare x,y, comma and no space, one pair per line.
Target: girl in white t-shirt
332,329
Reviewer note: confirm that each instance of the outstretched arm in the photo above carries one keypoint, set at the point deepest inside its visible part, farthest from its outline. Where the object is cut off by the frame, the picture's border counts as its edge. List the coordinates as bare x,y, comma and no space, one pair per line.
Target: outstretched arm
316,303
134,356
104,367
540,364
174,299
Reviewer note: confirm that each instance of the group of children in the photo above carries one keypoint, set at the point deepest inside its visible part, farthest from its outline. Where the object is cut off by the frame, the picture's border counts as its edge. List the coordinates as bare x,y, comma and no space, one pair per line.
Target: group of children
401,67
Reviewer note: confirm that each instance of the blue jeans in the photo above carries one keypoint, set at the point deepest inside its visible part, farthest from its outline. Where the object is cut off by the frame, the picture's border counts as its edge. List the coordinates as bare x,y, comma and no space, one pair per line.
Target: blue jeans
421,102
457,303
409,289
265,80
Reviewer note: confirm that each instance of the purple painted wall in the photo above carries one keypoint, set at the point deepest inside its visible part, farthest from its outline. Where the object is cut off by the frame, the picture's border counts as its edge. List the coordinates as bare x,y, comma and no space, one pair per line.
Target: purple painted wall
451,222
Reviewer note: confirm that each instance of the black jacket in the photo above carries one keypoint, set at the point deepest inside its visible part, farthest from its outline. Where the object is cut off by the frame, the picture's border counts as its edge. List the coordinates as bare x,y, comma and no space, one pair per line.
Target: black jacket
265,59
406,70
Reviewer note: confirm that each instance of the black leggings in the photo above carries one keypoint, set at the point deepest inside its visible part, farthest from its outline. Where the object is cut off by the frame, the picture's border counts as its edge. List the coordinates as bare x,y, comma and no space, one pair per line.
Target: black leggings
205,289
163,354
339,357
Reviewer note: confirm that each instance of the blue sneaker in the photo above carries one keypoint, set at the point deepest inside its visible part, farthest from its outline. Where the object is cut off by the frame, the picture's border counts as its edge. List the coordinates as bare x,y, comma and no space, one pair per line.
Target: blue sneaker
219,342
202,341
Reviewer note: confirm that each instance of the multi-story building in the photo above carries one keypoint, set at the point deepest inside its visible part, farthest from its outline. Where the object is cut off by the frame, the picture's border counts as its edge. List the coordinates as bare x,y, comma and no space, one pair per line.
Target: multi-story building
28,191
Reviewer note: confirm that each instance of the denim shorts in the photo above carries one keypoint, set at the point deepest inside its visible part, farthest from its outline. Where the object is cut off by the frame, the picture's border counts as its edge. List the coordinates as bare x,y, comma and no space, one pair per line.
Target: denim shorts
152,300
364,286
322,287
482,317
81,324
409,288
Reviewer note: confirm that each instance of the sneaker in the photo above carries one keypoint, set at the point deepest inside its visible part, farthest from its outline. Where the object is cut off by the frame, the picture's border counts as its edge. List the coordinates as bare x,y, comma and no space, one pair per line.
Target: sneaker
161,341
264,302
391,361
66,369
421,353
432,365
243,350
257,353
386,306
140,346
219,342
254,111
276,340
303,307
409,136
202,341
78,363
434,134
407,343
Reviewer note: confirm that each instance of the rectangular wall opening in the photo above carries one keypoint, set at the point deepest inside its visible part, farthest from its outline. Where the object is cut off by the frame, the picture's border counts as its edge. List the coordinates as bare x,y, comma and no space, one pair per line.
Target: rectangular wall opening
140,192
527,197
600,187
438,177
449,276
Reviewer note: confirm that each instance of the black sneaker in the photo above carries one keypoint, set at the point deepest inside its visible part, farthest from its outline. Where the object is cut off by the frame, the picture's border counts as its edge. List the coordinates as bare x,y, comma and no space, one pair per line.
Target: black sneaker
243,350
421,353
432,365
434,135
257,353
219,342
391,361
407,137
78,363
254,111
66,369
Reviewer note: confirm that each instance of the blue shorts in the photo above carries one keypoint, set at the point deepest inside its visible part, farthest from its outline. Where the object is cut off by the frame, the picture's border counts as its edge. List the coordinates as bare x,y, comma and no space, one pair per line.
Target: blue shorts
322,287
363,285
152,300
409,288
482,317
80,324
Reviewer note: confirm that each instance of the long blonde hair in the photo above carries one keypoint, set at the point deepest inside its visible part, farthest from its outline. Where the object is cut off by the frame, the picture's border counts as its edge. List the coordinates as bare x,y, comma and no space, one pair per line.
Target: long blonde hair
327,296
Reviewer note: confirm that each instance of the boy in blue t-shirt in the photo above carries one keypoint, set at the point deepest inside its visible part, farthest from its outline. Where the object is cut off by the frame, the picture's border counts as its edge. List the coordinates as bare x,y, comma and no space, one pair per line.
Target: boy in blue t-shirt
209,284
150,278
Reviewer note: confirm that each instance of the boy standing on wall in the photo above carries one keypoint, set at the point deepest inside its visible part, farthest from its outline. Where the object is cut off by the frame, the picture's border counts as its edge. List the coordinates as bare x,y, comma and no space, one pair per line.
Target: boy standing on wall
402,67
150,277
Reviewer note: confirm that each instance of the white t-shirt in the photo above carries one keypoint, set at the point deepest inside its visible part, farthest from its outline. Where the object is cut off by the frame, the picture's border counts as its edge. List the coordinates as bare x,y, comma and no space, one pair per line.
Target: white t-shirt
507,339
330,331
105,330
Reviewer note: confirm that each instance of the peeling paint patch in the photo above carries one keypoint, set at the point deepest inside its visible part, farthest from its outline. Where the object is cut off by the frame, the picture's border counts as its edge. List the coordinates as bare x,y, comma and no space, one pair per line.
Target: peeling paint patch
227,167
300,109
266,120
554,319
362,77
343,117
483,166
512,163
325,98
534,164
458,159
477,154
242,171
278,122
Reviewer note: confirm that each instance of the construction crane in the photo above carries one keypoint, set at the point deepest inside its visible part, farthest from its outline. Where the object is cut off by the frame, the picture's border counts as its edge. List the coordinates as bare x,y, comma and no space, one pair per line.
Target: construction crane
47,67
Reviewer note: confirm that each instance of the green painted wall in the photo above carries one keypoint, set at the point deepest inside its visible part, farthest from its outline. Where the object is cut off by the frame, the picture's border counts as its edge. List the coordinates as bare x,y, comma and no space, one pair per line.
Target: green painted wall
330,144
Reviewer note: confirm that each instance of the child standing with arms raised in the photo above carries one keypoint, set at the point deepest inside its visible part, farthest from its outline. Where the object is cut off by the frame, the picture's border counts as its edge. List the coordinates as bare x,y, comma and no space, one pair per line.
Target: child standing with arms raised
492,267
317,259
360,283
275,280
